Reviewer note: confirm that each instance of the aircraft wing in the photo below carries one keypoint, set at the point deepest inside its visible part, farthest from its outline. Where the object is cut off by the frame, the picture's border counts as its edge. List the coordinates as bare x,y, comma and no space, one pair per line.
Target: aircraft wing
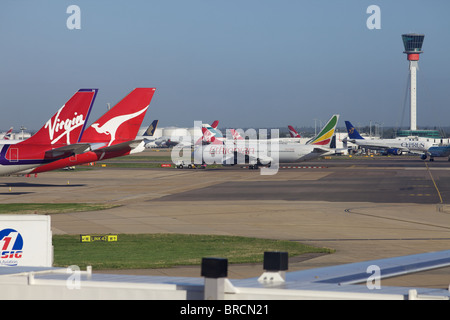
67,151
361,278
360,272
132,144
376,145
320,150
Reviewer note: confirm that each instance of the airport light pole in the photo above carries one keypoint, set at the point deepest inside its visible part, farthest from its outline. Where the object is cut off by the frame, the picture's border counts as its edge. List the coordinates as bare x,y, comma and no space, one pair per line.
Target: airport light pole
22,128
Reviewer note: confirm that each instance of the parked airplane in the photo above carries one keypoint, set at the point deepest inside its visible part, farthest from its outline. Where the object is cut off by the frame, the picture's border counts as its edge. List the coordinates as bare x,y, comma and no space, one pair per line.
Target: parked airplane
8,134
209,135
149,135
437,151
7,138
210,132
57,139
261,153
185,140
293,132
113,134
389,146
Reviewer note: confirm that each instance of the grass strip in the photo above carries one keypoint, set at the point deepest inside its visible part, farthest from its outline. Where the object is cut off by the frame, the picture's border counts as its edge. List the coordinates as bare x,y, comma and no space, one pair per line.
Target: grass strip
139,159
144,251
129,165
51,208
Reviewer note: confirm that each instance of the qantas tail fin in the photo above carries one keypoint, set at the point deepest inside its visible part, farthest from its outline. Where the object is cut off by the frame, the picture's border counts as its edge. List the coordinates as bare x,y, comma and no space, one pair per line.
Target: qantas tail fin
293,133
151,129
122,122
67,125
352,132
325,136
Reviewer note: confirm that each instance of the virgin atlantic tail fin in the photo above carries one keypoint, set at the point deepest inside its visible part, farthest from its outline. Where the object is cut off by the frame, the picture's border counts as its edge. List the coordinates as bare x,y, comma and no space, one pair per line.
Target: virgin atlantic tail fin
122,122
68,123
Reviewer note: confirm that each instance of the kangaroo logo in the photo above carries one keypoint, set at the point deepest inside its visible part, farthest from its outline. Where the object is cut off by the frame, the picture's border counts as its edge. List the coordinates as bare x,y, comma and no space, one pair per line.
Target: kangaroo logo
111,126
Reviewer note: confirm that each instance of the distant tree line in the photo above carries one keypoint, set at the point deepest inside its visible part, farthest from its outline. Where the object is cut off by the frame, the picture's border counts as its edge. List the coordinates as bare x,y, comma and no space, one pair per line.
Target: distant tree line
384,132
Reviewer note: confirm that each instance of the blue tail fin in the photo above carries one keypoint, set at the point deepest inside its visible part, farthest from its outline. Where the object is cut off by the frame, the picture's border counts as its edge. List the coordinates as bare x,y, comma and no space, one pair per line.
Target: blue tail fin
151,129
352,132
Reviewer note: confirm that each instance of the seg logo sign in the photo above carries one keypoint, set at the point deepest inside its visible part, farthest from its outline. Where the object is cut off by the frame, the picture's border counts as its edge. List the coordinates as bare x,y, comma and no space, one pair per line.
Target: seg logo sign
11,244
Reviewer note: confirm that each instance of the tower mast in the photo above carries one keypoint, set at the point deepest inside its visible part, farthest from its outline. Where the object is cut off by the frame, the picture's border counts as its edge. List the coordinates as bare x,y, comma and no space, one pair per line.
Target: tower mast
413,47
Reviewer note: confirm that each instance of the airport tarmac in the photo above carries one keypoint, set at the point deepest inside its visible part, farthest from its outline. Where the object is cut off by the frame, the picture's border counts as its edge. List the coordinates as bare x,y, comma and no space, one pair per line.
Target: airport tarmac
363,209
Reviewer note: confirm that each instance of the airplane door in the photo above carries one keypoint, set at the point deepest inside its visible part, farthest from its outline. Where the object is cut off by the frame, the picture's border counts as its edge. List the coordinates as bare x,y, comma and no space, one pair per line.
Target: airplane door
13,154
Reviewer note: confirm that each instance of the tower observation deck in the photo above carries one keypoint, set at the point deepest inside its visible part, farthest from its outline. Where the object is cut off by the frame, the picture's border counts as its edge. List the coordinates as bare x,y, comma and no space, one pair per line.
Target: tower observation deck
412,43
413,48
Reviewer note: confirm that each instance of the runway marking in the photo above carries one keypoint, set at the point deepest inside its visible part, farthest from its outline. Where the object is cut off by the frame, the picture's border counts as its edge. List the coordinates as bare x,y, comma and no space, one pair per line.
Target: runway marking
432,179
370,239
350,210
296,167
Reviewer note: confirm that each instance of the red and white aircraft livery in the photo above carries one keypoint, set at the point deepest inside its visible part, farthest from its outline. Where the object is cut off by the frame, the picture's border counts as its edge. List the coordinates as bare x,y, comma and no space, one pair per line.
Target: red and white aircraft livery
113,135
57,139
8,134
293,132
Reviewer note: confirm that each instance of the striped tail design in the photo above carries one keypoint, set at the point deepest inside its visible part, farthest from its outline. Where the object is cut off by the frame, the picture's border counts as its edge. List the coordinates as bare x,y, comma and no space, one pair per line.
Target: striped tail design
326,134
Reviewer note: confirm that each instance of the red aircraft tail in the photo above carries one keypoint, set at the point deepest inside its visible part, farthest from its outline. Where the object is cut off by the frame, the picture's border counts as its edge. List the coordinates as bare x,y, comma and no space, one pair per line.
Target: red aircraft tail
293,133
122,122
208,137
8,134
68,123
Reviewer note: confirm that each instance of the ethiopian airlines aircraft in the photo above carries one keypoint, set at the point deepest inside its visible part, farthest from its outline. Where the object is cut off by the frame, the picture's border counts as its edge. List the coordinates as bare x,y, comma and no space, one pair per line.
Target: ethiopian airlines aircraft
267,152
57,139
314,148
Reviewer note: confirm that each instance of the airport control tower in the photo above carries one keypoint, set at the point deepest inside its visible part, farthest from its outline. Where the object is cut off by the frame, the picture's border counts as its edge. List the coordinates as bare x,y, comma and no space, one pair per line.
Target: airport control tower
413,47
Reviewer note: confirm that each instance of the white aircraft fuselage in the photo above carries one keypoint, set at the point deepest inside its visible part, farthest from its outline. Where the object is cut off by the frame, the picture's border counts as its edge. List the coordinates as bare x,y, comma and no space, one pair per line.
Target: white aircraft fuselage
264,151
414,144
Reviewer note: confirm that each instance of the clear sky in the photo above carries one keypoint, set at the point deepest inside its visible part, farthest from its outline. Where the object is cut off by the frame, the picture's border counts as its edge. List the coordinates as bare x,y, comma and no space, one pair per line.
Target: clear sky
247,63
